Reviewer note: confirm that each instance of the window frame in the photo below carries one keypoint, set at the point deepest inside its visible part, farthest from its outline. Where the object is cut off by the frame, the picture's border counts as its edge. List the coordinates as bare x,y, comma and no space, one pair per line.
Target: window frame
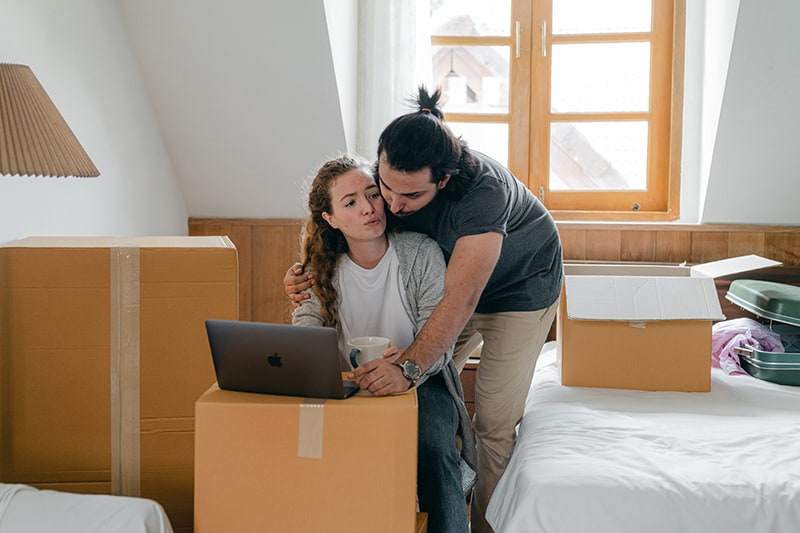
529,116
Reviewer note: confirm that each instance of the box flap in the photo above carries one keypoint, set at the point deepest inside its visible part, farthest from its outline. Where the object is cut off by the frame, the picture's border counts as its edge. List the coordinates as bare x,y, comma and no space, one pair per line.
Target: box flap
624,269
733,265
639,299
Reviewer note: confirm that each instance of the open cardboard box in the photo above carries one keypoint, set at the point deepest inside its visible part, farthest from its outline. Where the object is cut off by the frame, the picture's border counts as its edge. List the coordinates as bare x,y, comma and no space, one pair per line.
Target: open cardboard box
645,327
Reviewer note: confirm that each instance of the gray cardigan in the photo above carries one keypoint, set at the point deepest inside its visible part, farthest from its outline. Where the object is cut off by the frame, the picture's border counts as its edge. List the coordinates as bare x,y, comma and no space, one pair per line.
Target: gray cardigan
422,269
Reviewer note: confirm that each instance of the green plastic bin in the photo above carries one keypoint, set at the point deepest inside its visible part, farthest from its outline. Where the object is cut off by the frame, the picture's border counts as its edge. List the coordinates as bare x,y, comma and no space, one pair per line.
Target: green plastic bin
777,302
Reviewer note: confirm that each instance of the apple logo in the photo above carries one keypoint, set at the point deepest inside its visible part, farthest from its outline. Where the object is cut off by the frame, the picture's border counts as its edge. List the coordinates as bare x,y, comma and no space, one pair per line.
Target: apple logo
274,360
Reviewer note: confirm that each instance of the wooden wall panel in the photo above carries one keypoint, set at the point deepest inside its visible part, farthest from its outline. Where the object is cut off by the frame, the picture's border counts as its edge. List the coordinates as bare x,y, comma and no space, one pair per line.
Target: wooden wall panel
673,246
275,249
602,245
638,246
783,246
709,246
745,242
574,244
267,248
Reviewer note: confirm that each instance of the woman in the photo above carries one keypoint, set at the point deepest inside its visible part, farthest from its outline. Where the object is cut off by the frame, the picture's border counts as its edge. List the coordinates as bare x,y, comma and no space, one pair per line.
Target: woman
368,282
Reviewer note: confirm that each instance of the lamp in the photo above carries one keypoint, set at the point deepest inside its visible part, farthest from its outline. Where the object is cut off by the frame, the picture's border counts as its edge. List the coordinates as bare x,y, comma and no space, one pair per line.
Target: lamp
456,86
34,139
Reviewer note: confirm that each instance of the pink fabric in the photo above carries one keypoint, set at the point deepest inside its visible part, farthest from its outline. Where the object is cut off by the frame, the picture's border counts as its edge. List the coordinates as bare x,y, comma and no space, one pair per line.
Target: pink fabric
738,332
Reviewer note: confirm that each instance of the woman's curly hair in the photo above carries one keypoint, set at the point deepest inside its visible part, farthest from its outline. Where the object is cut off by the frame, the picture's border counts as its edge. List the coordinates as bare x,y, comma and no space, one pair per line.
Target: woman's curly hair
322,244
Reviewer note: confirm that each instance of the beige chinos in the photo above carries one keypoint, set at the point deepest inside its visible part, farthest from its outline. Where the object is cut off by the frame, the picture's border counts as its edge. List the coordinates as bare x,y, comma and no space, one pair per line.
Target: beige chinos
512,342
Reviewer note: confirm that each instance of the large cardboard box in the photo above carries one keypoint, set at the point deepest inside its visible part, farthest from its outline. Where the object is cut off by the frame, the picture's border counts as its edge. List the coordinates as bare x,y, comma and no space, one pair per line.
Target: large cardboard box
294,465
645,327
103,353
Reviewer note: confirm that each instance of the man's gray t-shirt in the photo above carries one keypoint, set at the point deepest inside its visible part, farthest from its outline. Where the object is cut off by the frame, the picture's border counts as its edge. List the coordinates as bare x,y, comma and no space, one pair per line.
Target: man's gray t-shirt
528,273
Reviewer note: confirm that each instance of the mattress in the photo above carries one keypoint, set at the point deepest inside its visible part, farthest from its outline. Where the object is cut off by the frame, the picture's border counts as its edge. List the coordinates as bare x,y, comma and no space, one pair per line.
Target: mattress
24,509
607,460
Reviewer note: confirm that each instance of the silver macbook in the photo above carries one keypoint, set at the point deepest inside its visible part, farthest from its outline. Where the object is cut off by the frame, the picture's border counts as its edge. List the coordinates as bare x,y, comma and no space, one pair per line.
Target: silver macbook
277,359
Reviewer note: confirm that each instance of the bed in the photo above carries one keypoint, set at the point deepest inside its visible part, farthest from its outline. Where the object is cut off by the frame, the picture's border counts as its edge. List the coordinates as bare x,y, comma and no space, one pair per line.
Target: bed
605,460
25,509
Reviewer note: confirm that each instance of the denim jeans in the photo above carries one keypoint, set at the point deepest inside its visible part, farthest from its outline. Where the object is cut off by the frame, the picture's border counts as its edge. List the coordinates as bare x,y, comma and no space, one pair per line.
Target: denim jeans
438,460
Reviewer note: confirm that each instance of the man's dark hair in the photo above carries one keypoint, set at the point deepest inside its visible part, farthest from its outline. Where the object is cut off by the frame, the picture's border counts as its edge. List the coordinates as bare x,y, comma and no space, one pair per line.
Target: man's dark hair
422,139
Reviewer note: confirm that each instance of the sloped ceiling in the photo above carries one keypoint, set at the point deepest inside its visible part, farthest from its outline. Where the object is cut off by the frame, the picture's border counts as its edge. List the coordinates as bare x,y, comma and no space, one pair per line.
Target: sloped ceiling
246,97
755,171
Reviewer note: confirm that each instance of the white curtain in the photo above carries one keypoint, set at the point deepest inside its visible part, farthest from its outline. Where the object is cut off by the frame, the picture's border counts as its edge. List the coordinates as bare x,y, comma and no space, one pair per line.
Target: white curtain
394,58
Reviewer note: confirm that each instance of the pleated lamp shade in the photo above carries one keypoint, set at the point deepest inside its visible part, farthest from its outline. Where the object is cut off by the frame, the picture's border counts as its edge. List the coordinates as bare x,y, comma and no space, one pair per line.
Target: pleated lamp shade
34,139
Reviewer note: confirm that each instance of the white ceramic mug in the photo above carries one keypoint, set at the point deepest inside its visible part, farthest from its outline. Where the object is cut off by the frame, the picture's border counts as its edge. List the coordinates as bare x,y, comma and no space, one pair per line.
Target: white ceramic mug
363,349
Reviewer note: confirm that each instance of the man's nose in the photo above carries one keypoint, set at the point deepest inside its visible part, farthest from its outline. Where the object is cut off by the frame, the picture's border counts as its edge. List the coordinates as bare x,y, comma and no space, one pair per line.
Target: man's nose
395,205
392,201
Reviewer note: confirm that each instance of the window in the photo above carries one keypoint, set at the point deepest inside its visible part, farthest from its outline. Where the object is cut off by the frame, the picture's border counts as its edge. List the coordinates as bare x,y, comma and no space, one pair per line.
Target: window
580,98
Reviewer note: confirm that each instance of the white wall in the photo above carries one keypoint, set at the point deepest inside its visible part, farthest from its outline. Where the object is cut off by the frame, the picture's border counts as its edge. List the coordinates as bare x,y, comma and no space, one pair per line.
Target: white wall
246,96
719,31
710,26
342,17
754,175
79,53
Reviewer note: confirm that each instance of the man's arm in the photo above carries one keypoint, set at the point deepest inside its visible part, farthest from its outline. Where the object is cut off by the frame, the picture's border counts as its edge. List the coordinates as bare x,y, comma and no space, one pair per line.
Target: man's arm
471,264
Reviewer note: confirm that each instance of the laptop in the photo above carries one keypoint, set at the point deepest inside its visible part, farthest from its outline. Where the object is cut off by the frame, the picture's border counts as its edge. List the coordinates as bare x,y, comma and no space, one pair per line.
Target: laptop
277,359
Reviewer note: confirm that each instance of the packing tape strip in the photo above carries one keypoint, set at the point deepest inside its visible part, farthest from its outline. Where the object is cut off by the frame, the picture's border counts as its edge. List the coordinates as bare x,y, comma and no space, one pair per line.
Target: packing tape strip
309,435
125,452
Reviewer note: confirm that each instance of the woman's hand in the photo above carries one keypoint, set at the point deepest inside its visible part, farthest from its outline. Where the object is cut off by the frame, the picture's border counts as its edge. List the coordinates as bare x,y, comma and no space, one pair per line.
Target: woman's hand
392,353
294,282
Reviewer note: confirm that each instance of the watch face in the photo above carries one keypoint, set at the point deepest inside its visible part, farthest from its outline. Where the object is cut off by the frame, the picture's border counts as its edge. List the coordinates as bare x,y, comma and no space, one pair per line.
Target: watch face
411,370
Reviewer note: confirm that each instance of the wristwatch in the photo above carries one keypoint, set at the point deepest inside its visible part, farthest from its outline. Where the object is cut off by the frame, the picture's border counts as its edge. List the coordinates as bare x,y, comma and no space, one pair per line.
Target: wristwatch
411,370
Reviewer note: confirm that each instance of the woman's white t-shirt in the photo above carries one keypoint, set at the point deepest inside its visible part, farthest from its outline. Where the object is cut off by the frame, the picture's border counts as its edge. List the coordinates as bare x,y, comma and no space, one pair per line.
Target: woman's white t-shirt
371,302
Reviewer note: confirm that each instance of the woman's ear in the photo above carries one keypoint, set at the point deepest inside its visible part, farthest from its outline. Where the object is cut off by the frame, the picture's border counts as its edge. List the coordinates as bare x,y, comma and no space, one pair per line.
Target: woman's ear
329,219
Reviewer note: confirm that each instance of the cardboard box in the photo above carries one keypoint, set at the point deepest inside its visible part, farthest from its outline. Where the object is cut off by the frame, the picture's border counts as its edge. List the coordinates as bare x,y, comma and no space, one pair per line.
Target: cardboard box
645,327
103,353
290,464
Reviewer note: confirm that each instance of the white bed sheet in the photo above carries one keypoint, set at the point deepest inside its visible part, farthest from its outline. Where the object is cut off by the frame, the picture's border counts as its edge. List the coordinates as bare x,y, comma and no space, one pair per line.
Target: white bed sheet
605,460
25,509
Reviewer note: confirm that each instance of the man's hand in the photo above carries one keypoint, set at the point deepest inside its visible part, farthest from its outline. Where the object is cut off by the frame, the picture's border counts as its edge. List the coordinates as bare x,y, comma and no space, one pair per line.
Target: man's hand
380,377
294,282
